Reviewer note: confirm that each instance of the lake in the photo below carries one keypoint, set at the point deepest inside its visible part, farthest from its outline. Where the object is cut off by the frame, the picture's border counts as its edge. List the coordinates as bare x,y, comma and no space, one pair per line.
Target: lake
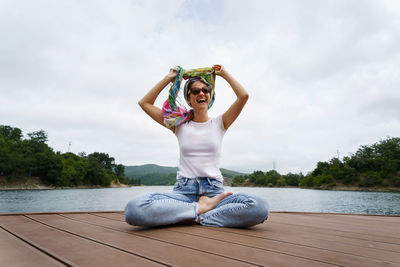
279,199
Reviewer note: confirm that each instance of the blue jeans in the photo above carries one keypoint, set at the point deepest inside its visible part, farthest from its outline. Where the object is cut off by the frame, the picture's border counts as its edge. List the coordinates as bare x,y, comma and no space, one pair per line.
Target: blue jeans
237,210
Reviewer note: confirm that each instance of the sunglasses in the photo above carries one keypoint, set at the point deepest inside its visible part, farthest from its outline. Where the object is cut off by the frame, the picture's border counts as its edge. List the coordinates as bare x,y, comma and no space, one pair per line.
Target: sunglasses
196,91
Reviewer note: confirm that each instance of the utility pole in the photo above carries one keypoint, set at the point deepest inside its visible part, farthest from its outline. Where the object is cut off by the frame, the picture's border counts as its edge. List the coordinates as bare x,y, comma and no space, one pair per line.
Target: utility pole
337,153
69,145
273,165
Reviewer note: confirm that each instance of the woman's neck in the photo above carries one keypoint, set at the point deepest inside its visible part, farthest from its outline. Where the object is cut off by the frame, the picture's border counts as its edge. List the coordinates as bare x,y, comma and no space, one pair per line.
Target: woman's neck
200,116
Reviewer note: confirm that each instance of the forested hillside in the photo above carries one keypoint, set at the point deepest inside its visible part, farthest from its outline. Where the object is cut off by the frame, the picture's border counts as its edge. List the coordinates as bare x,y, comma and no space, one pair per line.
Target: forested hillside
132,171
152,174
377,165
32,157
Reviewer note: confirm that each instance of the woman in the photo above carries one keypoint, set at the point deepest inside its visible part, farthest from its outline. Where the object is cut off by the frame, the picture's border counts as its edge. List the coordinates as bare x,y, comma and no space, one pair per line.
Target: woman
198,194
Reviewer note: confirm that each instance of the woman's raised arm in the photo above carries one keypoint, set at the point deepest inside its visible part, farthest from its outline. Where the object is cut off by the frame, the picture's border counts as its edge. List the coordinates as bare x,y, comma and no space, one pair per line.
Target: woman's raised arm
242,96
147,102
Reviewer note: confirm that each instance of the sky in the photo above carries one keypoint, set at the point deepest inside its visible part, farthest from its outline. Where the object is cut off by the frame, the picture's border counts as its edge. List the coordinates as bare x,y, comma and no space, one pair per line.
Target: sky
321,75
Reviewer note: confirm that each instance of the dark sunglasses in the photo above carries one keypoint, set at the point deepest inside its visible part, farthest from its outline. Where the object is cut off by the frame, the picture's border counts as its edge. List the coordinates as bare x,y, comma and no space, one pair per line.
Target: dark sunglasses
196,91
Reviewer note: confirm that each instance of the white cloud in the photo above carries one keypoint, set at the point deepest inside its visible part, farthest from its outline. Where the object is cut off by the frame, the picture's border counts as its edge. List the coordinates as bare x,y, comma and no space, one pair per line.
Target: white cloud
322,76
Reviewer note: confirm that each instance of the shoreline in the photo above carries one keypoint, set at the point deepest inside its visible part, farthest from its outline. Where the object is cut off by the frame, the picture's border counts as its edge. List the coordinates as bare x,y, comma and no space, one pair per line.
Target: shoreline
336,188
34,183
44,187
362,189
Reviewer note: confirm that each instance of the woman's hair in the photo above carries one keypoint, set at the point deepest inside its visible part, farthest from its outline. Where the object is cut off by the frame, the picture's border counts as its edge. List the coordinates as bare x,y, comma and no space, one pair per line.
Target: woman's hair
175,115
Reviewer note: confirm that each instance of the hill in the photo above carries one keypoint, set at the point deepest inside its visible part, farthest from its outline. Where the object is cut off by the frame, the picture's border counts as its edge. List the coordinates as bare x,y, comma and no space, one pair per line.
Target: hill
139,170
152,174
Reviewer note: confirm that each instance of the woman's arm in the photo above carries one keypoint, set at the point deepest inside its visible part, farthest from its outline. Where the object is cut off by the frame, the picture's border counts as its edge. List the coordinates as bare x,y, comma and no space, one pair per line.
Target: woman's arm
242,96
147,102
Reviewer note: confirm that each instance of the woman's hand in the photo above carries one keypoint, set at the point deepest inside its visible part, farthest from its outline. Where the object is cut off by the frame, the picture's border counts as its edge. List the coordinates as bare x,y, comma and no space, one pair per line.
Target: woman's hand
219,70
171,75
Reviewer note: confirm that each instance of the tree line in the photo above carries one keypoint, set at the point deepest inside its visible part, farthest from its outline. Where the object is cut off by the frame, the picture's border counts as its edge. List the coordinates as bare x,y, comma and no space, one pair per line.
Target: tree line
32,157
374,165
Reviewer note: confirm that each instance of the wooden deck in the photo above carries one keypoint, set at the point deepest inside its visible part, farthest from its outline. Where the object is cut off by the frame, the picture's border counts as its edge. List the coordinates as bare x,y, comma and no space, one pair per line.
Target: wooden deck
286,239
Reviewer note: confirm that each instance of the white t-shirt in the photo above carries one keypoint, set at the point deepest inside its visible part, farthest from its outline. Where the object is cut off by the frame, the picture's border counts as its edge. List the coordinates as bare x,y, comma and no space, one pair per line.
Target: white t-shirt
200,148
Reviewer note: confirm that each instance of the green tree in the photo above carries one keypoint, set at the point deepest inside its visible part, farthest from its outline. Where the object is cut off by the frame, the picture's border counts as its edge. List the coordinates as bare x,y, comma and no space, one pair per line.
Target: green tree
120,173
38,136
104,160
370,178
349,175
135,181
293,179
322,168
307,181
257,178
272,177
120,170
281,181
95,172
323,179
238,180
74,169
8,133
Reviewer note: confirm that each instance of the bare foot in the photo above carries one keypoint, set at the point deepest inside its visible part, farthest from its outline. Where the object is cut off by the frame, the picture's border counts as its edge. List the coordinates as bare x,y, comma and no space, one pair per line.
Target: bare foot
208,203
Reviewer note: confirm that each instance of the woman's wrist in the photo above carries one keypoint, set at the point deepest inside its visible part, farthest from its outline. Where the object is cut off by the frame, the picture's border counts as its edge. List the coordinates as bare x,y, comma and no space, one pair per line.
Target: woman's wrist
168,78
225,75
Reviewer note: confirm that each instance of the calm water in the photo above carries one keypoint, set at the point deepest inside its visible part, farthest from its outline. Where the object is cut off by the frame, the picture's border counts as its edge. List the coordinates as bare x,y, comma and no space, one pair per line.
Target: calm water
279,199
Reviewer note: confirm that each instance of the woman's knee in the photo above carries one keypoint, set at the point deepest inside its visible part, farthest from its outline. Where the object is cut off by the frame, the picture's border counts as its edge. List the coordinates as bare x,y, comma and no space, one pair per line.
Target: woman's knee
135,210
141,211
258,209
131,213
261,208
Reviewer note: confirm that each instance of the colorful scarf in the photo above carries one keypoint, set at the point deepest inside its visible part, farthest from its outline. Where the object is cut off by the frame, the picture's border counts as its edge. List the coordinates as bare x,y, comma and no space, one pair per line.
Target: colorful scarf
175,115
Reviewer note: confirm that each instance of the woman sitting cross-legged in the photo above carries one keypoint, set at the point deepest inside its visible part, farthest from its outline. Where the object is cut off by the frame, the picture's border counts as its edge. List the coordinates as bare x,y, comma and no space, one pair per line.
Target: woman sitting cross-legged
198,194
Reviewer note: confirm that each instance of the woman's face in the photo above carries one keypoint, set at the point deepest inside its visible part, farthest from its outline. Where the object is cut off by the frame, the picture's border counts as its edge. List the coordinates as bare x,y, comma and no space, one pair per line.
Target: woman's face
199,96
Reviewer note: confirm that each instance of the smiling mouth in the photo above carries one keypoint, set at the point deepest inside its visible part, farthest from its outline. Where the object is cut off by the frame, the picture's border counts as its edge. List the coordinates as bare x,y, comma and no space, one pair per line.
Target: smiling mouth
201,101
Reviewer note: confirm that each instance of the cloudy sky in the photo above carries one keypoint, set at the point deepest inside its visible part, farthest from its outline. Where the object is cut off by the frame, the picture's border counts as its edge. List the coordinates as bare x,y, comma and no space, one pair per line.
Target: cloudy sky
322,75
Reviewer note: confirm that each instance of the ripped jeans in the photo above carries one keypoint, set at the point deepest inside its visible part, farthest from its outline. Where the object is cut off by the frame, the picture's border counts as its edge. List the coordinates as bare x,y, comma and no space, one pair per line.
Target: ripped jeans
237,210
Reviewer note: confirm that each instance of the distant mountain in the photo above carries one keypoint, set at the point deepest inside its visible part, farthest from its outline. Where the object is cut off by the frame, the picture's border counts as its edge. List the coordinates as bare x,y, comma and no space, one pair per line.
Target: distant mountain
152,174
138,170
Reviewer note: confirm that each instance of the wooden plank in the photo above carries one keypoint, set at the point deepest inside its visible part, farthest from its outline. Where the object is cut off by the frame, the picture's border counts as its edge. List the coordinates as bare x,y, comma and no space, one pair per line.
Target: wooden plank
334,252
295,236
52,212
369,221
326,234
354,220
349,222
304,239
15,252
115,215
68,247
258,256
204,238
331,213
372,233
168,253
297,233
